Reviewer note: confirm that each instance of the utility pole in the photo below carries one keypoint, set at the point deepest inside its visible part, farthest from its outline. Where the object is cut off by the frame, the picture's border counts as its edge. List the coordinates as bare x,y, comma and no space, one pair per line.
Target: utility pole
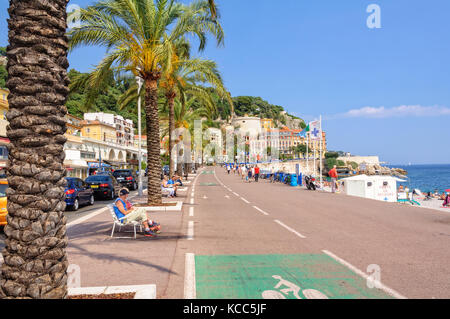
140,83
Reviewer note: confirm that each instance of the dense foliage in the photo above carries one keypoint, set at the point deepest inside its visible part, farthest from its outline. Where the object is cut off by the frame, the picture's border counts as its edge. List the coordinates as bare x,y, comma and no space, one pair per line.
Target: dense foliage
105,102
3,76
3,72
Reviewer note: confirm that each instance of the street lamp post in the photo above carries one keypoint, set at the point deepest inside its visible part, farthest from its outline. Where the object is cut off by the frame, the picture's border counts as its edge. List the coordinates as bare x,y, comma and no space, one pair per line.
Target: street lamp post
140,83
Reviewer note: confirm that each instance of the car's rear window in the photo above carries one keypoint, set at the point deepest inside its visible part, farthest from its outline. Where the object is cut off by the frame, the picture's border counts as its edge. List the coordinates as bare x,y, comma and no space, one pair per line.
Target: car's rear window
3,188
122,173
97,179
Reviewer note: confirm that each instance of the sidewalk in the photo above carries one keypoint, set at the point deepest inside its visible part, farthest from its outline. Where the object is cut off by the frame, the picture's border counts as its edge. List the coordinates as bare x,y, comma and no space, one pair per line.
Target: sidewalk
118,261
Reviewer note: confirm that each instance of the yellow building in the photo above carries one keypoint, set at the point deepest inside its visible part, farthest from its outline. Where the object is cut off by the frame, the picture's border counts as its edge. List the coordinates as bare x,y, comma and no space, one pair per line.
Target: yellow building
4,141
99,131
267,124
73,125
4,106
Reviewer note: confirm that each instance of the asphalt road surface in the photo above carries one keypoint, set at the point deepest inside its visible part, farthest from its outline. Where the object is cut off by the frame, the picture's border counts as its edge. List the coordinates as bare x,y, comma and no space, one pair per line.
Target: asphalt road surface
262,239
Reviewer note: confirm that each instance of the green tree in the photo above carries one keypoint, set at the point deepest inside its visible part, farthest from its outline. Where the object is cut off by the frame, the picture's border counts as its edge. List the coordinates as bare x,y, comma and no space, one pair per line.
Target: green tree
35,261
2,51
334,155
3,76
135,32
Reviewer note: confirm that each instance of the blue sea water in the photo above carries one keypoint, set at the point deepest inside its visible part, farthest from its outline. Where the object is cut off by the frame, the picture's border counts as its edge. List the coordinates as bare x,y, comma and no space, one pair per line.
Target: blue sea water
427,178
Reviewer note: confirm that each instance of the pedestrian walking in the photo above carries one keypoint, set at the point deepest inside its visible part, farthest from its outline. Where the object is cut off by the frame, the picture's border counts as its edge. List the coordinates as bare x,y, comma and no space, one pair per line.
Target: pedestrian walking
256,173
229,169
244,172
250,172
334,175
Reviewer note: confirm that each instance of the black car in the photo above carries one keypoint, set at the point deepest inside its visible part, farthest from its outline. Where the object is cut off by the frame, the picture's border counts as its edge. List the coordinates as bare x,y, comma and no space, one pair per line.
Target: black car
127,178
77,193
104,186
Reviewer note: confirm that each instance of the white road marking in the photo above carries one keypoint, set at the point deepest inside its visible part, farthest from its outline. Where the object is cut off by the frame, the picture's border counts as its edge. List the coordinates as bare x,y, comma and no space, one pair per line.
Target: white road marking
192,201
192,194
236,194
227,197
191,211
245,200
191,230
260,210
290,229
87,217
383,287
189,277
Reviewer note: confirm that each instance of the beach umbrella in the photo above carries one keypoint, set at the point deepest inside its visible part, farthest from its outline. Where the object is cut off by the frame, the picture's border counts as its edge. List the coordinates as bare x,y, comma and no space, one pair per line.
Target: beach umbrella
447,190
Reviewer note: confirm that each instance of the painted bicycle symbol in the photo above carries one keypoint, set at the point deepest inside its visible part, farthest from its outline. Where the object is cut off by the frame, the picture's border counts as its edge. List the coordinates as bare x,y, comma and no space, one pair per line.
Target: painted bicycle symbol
291,288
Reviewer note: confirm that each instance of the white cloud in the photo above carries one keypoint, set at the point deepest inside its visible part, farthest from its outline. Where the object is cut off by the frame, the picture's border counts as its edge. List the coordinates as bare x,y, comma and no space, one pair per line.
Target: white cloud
398,111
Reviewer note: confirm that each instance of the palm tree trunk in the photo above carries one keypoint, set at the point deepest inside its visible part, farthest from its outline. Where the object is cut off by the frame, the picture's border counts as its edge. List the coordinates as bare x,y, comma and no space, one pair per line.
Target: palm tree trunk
153,140
171,102
35,262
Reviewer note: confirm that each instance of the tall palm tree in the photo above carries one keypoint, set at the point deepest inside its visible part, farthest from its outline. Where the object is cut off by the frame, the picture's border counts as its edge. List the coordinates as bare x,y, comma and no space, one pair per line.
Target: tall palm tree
35,262
180,77
135,33
213,8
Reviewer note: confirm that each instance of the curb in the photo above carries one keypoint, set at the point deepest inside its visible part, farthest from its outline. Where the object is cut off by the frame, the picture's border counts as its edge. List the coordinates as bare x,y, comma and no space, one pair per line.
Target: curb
142,291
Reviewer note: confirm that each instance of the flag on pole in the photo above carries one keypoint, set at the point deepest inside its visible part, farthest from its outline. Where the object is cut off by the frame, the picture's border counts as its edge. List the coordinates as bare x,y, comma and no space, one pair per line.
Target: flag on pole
304,132
315,130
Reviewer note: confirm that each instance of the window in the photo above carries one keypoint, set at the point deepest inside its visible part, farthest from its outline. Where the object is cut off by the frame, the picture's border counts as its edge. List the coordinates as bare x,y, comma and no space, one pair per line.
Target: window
3,152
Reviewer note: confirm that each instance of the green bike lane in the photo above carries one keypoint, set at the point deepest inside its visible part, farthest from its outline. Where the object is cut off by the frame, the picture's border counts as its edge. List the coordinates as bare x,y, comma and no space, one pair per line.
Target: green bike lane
237,252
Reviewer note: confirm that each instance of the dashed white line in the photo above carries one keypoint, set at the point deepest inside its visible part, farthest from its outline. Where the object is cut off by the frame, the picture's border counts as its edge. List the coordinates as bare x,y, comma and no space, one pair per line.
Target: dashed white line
191,211
381,286
192,201
190,233
290,229
236,194
245,200
189,277
260,210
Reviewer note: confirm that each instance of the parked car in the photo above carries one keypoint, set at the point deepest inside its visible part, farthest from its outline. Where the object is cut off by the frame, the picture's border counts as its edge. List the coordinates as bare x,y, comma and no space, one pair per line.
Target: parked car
127,178
3,210
103,186
78,193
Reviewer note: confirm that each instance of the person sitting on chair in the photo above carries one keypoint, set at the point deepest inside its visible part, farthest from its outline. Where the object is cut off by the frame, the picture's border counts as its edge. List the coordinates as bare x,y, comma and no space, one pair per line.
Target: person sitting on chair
177,180
134,214
169,185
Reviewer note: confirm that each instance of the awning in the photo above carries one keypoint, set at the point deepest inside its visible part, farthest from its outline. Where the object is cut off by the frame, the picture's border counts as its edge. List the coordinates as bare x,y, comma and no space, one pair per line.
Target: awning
75,164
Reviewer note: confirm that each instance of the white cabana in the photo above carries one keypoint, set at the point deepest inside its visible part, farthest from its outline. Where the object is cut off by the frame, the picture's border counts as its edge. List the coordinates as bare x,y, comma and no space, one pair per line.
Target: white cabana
382,188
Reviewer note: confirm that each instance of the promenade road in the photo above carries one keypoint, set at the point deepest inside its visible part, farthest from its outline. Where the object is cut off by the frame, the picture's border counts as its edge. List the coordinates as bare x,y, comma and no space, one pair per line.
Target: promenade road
249,240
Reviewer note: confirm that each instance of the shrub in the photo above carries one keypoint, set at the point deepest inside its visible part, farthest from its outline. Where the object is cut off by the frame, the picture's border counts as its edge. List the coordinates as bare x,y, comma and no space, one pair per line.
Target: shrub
354,165
331,162
331,155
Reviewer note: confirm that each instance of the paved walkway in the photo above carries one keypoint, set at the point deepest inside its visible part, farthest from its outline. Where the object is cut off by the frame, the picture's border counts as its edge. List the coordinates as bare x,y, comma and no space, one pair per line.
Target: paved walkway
106,261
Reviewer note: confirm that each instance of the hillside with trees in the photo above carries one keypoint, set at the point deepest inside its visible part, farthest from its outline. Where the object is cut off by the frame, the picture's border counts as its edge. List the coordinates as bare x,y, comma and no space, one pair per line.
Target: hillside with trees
3,72
106,100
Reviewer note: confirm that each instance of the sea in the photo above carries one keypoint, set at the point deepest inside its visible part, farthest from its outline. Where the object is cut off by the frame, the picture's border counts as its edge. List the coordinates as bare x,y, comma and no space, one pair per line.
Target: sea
427,178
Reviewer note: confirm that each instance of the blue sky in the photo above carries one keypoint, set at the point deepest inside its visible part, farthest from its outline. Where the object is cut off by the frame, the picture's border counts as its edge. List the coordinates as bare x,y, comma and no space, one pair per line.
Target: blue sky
381,91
